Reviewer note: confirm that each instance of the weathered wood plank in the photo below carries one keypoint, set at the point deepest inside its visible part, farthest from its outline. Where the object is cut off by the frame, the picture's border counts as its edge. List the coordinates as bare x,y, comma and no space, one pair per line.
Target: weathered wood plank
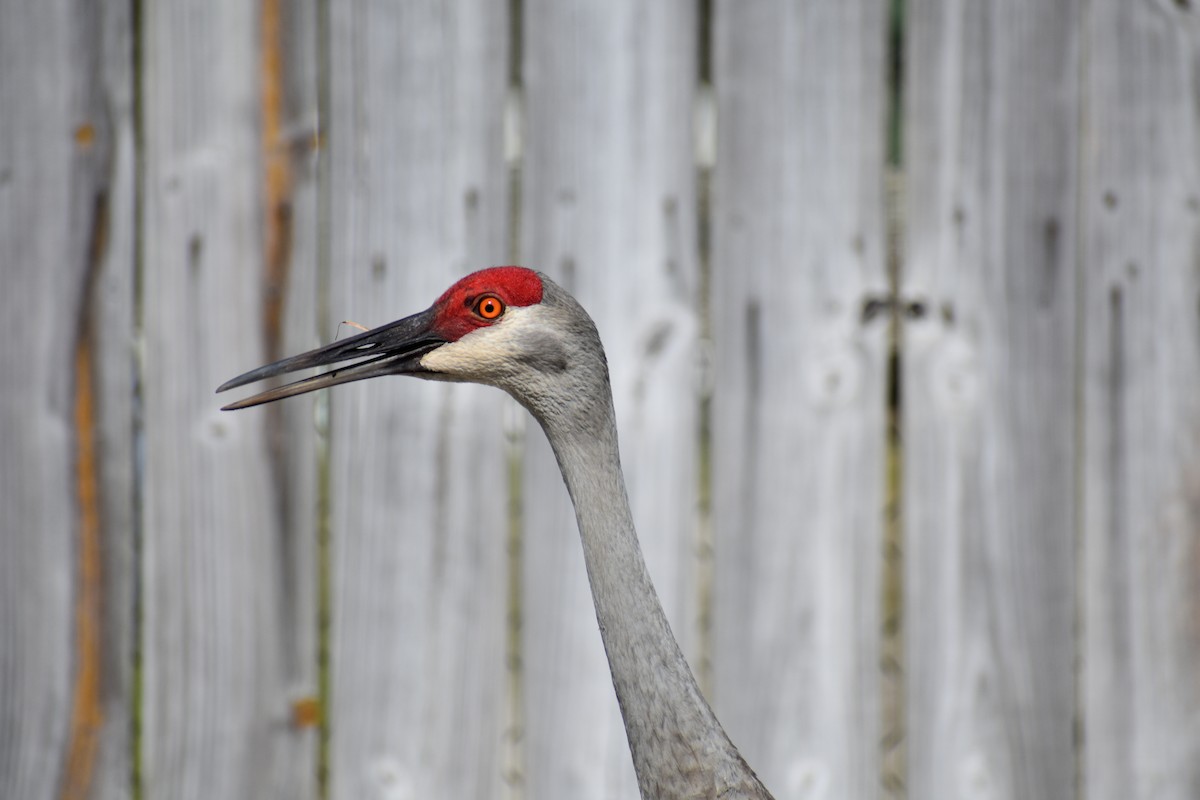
216,698
111,310
609,210
292,256
1141,403
989,389
49,177
798,401
418,471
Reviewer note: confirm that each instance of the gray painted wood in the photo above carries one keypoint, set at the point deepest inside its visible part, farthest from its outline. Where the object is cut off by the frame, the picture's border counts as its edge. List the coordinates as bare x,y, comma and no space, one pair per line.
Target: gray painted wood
418,198
1050,393
1140,211
292,426
215,704
990,420
79,293
111,306
798,398
609,211
49,178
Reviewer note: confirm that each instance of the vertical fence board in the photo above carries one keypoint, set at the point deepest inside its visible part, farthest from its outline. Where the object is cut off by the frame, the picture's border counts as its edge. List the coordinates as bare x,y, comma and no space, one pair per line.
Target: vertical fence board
989,415
111,310
50,177
608,210
418,472
1141,403
292,233
798,402
215,704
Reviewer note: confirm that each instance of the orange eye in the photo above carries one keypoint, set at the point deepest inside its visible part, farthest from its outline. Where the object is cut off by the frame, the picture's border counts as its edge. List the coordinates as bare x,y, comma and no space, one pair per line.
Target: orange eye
489,306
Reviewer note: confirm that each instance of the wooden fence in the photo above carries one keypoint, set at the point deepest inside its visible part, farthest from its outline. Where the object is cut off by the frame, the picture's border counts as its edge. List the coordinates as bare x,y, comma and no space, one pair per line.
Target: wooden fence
378,592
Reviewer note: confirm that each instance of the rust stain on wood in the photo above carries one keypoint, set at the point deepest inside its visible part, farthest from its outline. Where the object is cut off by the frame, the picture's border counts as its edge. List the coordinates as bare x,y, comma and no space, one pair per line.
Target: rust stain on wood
86,712
306,712
85,135
278,179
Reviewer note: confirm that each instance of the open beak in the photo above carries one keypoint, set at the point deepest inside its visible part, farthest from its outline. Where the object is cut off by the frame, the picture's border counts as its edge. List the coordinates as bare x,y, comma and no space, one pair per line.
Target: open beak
392,349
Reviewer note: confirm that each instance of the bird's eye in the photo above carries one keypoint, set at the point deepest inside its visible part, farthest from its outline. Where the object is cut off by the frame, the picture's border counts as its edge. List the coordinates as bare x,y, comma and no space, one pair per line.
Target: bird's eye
489,307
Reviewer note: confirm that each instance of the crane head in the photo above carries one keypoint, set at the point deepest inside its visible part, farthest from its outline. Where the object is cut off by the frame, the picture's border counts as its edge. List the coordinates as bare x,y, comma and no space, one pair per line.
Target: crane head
509,327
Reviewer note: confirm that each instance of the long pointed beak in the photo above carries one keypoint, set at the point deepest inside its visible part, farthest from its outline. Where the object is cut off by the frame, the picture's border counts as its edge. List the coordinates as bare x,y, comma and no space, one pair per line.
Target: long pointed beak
392,349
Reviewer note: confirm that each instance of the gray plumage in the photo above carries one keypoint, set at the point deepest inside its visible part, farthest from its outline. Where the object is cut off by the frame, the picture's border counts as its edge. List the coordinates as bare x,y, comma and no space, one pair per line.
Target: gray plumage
679,748
546,353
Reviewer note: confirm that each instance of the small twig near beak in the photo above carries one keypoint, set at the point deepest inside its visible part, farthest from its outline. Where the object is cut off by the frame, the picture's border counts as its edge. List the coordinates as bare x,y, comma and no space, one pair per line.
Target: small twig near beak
352,324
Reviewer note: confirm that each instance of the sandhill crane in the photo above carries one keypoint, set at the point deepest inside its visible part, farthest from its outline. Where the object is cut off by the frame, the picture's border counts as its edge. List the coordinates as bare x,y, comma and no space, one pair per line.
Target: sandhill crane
515,329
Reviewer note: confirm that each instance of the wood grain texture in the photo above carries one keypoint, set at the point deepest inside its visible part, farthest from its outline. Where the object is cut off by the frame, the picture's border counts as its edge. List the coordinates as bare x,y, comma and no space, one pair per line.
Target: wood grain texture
798,400
111,321
49,180
609,211
418,196
294,253
1140,209
990,420
216,702
1051,376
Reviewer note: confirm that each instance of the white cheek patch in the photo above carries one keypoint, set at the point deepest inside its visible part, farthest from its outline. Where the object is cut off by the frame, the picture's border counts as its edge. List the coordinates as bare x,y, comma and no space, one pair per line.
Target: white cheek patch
486,351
